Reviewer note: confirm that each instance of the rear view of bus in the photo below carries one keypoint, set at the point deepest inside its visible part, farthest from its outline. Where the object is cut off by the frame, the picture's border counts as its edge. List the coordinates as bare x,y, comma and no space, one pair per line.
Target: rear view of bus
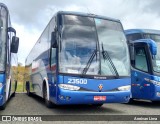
83,59
8,57
145,61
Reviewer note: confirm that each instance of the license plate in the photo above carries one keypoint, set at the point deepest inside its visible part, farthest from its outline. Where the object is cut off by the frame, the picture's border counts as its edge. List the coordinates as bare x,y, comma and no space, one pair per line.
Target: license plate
99,98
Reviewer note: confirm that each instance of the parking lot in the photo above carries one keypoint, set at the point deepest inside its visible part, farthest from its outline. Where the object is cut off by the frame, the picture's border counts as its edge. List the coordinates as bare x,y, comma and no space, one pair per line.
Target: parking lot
21,104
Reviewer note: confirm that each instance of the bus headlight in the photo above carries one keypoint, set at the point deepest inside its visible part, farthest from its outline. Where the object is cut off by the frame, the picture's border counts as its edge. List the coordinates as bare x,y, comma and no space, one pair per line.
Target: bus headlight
124,88
68,87
158,83
152,81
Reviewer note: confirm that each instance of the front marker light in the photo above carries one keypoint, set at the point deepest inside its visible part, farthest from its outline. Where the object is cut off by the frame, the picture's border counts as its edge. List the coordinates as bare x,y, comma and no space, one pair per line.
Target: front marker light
68,87
124,88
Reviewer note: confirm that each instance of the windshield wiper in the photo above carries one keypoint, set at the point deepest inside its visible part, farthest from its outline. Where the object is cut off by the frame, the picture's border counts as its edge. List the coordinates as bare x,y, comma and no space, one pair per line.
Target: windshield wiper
94,53
107,57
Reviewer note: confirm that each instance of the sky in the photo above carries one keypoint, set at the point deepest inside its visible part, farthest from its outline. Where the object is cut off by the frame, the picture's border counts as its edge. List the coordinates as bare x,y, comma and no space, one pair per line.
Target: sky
30,17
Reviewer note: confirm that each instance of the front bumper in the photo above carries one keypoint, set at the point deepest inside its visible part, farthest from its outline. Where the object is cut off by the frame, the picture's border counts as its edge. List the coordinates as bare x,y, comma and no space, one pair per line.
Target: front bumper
1,96
85,97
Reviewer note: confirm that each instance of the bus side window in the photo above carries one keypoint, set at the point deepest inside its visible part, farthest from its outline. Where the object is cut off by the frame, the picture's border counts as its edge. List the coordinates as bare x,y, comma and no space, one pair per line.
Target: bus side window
140,59
52,25
136,36
53,56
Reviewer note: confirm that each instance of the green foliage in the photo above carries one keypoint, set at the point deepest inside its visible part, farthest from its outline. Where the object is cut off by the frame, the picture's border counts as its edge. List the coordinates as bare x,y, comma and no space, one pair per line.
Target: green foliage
20,87
21,72
20,77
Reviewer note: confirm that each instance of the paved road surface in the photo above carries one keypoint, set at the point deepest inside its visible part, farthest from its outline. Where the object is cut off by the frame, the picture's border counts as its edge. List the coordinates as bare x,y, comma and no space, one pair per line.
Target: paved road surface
21,104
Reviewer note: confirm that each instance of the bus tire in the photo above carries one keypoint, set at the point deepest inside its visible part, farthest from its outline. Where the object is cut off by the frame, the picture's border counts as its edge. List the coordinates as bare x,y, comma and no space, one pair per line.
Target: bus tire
3,106
15,86
131,100
13,95
9,92
28,88
47,102
97,105
156,102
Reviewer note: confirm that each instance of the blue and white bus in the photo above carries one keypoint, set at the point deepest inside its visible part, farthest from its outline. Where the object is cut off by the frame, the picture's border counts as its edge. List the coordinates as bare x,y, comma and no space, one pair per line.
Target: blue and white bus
8,57
145,62
80,59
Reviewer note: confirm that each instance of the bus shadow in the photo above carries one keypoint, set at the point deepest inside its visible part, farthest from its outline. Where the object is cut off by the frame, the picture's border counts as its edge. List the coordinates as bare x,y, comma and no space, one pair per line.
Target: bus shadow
79,109
87,109
144,103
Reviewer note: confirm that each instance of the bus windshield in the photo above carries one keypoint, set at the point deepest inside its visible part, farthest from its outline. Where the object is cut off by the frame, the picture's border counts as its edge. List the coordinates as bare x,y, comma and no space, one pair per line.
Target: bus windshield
82,36
3,31
156,59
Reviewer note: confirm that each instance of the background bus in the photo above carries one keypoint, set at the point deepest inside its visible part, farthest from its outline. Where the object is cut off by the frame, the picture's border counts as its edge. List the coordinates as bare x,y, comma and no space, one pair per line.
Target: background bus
145,61
80,59
8,58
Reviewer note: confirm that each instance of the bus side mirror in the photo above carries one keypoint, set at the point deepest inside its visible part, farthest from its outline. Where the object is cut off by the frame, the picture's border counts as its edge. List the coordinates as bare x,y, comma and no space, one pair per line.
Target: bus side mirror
53,40
10,29
153,47
14,44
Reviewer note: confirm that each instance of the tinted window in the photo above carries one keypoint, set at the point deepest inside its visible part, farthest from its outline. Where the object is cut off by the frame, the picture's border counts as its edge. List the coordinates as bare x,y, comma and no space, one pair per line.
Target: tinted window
78,20
113,41
156,58
3,33
78,42
140,59
132,37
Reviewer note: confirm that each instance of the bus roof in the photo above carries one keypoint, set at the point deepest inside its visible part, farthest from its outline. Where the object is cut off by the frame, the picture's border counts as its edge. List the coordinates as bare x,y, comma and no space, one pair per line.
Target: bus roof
2,4
80,14
150,31
87,14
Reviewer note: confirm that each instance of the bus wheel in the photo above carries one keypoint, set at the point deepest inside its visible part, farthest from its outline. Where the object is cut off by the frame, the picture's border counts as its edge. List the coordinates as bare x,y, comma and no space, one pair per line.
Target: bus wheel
28,88
47,102
15,86
131,100
13,95
97,105
156,102
3,106
9,92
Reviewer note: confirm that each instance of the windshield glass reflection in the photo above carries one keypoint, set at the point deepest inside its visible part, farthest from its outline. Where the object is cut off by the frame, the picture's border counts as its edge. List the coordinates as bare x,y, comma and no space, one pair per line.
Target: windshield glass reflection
81,36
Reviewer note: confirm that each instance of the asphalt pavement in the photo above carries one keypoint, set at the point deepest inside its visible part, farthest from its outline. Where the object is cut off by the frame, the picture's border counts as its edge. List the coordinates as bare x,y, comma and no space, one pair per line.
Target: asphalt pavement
24,105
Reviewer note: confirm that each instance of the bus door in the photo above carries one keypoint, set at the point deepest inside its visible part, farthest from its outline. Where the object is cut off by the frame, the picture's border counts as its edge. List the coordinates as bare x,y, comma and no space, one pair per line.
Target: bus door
141,88
53,78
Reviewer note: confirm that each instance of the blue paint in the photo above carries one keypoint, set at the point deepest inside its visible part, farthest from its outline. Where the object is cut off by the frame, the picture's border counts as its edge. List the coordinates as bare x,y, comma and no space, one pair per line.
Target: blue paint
140,87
